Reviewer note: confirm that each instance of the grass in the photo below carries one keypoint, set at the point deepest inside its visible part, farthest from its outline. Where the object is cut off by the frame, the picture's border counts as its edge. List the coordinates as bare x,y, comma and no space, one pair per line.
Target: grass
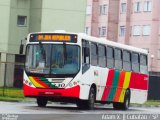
11,94
11,99
148,103
152,103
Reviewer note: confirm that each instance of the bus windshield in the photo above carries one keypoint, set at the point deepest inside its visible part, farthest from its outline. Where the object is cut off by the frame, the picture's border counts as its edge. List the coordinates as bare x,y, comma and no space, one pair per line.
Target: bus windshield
57,59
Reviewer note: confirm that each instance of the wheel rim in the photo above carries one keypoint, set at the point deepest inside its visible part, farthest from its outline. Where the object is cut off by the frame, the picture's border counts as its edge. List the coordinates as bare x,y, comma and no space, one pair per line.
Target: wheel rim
127,103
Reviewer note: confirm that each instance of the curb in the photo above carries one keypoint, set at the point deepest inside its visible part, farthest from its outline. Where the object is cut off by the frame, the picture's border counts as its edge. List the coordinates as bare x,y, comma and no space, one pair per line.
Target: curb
33,100
144,105
10,101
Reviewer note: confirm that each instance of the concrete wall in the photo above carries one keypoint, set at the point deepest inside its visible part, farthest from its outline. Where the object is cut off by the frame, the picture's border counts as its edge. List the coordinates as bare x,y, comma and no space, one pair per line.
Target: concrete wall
9,78
2,69
4,24
18,33
63,15
35,15
113,19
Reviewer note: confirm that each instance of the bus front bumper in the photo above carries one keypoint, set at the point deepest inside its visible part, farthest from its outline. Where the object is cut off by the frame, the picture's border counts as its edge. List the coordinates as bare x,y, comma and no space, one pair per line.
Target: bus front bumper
66,92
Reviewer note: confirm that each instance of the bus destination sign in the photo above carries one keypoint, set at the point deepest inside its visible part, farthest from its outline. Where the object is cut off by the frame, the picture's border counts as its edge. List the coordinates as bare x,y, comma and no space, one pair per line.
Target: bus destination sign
48,37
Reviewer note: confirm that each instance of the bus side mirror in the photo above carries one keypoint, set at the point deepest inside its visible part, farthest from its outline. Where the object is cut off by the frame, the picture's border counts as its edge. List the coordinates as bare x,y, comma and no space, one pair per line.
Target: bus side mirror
21,49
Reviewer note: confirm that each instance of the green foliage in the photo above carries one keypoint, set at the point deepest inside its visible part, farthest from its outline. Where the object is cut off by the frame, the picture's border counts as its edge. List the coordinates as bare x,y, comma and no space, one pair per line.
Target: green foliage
152,103
11,92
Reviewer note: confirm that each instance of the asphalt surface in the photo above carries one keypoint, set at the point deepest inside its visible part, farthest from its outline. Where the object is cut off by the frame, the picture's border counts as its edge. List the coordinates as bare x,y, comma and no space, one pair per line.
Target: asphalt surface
58,111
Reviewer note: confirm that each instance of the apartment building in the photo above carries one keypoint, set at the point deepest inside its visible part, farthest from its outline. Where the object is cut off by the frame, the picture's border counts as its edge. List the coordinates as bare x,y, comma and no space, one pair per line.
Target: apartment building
132,22
20,17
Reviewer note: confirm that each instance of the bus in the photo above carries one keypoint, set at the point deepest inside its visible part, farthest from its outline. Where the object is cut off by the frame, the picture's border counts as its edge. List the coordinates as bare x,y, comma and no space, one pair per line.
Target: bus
81,69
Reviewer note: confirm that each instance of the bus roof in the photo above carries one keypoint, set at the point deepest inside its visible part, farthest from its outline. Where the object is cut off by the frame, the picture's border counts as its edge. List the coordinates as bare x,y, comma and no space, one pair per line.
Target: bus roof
113,44
101,41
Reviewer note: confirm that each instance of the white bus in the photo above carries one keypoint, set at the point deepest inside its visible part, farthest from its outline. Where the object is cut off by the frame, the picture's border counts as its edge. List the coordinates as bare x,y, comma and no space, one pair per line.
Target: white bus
77,68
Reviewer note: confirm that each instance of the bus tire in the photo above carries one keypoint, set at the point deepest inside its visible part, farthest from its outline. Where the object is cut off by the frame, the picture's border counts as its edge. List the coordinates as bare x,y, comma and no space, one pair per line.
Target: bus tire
125,104
91,98
88,104
41,101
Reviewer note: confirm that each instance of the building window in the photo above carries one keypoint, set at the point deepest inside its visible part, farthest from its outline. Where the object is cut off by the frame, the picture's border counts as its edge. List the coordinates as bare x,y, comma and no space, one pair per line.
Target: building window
158,54
88,30
148,6
137,7
122,31
123,7
99,31
89,10
22,20
103,9
146,30
136,30
102,31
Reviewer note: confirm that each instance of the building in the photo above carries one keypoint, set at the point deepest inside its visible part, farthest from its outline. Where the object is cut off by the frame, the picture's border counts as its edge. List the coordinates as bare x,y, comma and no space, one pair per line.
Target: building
132,22
20,17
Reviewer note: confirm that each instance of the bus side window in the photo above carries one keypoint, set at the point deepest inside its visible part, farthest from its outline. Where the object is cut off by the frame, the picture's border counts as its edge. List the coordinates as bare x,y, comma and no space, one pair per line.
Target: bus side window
94,54
118,58
85,56
126,60
110,57
102,56
143,64
135,62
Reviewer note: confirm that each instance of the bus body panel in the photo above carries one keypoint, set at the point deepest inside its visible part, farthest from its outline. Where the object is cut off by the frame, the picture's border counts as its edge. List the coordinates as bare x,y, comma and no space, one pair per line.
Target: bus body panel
86,80
30,90
138,96
119,81
111,88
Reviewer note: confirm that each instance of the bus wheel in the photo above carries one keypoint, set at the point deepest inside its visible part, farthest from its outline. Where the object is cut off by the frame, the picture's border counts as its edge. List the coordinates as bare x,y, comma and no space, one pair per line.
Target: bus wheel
91,99
41,101
125,104
88,104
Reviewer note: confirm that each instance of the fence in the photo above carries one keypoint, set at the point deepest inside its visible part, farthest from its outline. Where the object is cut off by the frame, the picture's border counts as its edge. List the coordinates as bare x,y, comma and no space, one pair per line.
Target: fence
11,78
154,87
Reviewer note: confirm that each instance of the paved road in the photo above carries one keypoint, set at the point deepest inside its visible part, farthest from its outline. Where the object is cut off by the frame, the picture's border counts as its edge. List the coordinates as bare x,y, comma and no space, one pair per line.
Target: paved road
55,111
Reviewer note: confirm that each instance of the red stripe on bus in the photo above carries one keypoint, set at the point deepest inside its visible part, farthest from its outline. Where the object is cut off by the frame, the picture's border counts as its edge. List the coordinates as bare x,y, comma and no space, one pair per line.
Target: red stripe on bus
73,92
139,81
108,85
